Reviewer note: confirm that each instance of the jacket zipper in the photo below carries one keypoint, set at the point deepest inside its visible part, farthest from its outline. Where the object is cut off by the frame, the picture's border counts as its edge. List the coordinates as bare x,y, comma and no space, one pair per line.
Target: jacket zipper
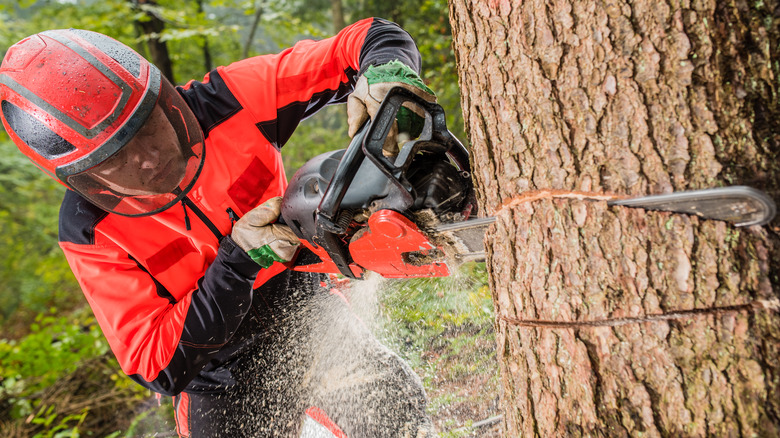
186,216
187,203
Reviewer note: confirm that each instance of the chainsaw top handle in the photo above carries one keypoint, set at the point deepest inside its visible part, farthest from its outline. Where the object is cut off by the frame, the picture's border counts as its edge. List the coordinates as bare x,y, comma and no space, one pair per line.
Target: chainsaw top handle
435,137
368,143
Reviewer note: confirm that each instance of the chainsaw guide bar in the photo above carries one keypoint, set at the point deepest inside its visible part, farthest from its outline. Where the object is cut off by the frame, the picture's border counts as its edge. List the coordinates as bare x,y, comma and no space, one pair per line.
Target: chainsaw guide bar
741,205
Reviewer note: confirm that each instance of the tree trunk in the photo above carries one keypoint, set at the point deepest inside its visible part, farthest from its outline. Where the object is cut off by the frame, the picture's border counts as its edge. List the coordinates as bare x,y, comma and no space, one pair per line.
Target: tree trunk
151,28
615,321
337,10
253,29
207,63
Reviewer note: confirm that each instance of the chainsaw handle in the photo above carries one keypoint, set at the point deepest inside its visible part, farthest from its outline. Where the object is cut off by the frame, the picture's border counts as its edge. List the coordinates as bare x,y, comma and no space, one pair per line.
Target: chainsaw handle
435,135
342,178
368,142
434,138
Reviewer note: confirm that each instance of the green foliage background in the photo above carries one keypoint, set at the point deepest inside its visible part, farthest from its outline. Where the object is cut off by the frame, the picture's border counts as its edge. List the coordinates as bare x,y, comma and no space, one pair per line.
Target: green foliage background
47,330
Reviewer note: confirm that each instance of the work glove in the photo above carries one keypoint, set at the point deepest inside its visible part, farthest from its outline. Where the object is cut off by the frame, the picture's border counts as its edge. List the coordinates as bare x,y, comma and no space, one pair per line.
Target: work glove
372,87
265,241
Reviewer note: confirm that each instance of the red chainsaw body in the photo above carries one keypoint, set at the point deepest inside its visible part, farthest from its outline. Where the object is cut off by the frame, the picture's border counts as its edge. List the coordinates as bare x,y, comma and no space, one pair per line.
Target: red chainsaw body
383,245
326,266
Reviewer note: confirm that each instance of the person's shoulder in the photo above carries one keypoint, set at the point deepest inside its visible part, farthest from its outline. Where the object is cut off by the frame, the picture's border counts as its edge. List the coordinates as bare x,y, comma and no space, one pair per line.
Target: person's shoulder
211,100
78,219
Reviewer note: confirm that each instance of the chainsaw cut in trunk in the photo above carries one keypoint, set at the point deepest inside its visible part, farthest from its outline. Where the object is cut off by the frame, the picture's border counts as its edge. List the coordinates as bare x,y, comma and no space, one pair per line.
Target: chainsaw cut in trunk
615,321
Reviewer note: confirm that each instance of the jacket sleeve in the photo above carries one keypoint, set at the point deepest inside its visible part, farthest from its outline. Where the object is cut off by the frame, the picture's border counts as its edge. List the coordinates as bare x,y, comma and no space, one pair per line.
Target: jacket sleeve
159,342
282,89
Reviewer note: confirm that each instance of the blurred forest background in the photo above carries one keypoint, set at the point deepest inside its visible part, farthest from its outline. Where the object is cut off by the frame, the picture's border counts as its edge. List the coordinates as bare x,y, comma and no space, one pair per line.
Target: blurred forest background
57,375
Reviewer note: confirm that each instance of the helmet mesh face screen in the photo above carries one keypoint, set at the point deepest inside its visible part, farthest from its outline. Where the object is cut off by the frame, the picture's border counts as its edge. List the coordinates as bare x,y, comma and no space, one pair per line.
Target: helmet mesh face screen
154,169
34,133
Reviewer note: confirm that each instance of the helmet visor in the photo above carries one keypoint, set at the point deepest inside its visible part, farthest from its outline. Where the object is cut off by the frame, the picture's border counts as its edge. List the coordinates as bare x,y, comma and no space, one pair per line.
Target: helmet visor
155,168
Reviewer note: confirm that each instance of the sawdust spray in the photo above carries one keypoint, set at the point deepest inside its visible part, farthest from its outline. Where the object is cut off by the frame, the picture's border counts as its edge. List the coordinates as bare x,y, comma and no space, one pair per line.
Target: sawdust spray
323,354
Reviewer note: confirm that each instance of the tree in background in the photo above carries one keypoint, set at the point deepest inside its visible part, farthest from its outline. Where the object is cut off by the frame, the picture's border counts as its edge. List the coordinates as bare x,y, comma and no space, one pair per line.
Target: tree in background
150,28
635,98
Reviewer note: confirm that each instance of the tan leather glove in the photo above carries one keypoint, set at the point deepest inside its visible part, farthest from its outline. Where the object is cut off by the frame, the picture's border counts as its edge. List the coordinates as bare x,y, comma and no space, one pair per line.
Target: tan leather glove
372,87
263,240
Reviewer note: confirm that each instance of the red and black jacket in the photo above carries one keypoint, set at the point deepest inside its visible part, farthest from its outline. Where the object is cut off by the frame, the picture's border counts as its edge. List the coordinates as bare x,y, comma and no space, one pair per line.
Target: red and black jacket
171,291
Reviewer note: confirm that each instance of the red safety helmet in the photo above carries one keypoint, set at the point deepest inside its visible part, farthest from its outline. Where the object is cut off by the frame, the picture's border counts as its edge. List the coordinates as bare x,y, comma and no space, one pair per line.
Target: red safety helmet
95,115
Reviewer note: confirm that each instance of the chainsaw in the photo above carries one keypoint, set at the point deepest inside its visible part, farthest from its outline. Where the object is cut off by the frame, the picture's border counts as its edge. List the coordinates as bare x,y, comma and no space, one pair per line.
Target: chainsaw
415,214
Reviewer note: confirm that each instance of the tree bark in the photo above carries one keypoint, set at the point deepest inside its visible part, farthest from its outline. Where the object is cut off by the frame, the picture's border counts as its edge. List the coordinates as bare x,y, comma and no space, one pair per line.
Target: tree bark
151,28
207,63
337,10
631,98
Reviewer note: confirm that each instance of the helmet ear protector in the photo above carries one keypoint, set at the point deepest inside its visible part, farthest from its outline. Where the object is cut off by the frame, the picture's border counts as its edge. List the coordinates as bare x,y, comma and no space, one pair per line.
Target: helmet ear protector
72,99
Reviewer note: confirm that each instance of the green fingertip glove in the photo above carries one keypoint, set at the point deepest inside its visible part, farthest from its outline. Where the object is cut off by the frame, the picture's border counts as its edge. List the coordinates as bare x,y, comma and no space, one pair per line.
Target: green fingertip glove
263,240
395,71
265,256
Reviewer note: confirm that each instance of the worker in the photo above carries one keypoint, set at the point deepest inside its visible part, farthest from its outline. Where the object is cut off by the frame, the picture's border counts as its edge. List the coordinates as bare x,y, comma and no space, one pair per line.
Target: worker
168,225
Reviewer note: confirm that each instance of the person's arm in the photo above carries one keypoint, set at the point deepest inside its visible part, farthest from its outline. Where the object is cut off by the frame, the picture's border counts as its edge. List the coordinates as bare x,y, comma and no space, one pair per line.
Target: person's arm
160,341
312,74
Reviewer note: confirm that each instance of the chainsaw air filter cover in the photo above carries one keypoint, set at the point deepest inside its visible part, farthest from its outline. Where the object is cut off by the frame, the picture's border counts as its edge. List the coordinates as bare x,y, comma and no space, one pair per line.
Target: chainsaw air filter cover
307,186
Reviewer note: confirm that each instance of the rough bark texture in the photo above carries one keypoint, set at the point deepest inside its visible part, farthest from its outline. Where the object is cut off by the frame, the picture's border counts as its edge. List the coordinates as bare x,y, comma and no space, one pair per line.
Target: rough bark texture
626,97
